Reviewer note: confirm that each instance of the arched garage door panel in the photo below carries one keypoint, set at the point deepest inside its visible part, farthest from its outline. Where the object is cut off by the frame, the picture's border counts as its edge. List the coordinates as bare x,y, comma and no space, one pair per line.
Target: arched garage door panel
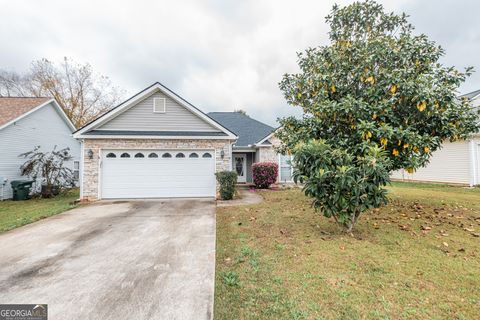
157,173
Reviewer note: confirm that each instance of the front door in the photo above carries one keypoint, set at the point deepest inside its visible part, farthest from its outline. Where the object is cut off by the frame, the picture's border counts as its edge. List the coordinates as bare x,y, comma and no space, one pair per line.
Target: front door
240,166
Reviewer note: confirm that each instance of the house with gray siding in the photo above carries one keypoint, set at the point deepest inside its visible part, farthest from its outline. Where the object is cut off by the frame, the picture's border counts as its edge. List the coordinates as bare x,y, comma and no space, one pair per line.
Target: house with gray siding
157,144
26,123
256,142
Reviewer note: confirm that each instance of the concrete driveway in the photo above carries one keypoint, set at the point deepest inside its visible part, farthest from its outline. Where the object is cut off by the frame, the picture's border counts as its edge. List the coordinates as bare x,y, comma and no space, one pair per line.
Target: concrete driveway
147,259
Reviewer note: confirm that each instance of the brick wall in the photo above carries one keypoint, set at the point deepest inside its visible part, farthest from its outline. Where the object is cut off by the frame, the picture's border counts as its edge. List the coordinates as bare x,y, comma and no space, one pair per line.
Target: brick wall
268,153
91,166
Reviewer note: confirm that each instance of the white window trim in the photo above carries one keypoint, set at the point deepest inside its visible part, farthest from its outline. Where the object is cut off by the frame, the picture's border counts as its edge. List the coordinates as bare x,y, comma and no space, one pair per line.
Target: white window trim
280,169
76,170
155,105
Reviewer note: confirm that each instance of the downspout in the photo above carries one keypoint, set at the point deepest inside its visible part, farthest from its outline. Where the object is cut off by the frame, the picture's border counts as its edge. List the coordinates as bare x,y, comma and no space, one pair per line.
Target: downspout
82,155
473,163
231,155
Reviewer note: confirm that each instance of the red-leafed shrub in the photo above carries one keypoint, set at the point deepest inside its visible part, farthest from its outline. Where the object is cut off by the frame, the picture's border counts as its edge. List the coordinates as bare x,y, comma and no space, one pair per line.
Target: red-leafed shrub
264,174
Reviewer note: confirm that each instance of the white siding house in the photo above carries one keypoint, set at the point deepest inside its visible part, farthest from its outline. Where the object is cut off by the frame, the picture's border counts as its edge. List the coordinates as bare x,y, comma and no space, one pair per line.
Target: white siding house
457,162
42,124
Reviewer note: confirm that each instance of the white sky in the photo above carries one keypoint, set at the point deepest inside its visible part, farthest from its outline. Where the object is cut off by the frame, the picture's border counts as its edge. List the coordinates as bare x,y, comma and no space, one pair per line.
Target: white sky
220,55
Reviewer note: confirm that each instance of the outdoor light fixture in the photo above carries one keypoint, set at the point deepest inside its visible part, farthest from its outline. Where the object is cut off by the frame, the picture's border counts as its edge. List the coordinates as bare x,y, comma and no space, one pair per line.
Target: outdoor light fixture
90,154
222,153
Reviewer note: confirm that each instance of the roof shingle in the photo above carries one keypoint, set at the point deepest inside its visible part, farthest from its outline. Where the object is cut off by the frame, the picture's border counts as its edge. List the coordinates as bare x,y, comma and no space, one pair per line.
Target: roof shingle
248,130
13,107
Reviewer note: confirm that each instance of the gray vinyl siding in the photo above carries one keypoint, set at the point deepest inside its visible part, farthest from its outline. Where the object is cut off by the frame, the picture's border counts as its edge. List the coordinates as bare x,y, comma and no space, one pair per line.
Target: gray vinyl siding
44,128
451,164
141,117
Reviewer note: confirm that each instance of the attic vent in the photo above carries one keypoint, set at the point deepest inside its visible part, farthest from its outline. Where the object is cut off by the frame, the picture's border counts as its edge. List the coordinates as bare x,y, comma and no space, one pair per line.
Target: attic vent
159,105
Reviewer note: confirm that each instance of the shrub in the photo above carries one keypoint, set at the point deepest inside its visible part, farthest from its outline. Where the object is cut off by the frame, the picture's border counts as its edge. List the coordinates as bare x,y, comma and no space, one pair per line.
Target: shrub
227,181
342,185
50,168
264,174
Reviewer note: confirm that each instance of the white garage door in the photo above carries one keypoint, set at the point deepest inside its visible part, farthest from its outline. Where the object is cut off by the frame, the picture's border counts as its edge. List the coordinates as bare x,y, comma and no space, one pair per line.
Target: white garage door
157,173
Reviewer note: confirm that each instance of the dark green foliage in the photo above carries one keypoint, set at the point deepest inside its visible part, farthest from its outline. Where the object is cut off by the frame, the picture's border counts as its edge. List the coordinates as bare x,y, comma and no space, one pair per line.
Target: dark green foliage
375,85
342,186
227,181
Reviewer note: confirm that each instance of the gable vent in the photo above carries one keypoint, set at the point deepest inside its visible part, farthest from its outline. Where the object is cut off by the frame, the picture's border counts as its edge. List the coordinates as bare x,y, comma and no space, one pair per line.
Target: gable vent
159,105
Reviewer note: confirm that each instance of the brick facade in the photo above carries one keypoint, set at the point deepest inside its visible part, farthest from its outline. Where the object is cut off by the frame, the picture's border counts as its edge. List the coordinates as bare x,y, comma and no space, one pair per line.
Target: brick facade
91,167
268,153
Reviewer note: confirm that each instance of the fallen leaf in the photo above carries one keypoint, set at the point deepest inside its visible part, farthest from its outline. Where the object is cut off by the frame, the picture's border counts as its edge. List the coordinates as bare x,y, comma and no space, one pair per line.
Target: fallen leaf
445,244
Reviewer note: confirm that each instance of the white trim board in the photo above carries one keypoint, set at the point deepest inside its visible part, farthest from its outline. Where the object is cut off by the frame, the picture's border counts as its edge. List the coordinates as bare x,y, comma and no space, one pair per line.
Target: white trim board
259,143
139,97
155,137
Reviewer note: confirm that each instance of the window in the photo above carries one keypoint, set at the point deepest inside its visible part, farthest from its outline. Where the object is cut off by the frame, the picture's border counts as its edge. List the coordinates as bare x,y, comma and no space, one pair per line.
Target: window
139,155
153,155
125,155
159,105
111,155
286,168
166,155
76,170
193,155
180,155
207,155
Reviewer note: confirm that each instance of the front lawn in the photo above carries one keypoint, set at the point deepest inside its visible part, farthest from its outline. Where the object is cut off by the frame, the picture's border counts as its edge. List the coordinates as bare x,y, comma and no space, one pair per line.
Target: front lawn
14,214
417,258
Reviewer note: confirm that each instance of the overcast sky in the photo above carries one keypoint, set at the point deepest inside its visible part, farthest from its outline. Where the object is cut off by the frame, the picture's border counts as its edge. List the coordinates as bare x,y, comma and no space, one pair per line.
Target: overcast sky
220,55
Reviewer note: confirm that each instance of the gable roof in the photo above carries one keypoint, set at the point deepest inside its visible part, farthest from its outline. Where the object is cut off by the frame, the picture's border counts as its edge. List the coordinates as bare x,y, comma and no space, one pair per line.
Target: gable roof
132,101
14,108
248,130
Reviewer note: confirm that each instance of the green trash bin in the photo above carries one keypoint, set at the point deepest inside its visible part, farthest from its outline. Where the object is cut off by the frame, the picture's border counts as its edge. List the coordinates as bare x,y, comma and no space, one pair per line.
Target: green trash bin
21,189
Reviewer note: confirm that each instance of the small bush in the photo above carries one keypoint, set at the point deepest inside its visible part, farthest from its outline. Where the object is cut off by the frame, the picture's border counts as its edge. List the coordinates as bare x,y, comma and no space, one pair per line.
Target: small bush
231,278
227,181
264,174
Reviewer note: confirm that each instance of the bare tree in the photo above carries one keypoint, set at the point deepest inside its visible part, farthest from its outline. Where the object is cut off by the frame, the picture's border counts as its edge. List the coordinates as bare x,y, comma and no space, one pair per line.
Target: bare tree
82,93
241,111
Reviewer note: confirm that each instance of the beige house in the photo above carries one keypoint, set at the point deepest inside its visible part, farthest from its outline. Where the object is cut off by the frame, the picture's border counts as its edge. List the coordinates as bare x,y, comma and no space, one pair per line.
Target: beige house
156,144
457,162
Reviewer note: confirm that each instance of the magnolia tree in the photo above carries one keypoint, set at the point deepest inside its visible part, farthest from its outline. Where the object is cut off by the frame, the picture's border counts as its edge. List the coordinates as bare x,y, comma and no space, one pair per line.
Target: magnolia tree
374,100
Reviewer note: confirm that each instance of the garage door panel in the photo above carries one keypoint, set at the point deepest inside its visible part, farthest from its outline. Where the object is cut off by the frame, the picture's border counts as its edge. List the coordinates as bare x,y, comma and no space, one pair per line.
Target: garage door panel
157,177
134,183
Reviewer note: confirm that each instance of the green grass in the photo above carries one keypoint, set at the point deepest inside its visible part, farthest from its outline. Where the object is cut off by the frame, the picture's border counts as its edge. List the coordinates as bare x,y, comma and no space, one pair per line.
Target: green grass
14,214
417,258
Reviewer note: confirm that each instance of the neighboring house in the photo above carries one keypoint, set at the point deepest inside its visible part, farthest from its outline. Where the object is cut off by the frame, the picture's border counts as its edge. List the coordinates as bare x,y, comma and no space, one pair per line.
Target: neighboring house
156,144
456,162
26,123
256,142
